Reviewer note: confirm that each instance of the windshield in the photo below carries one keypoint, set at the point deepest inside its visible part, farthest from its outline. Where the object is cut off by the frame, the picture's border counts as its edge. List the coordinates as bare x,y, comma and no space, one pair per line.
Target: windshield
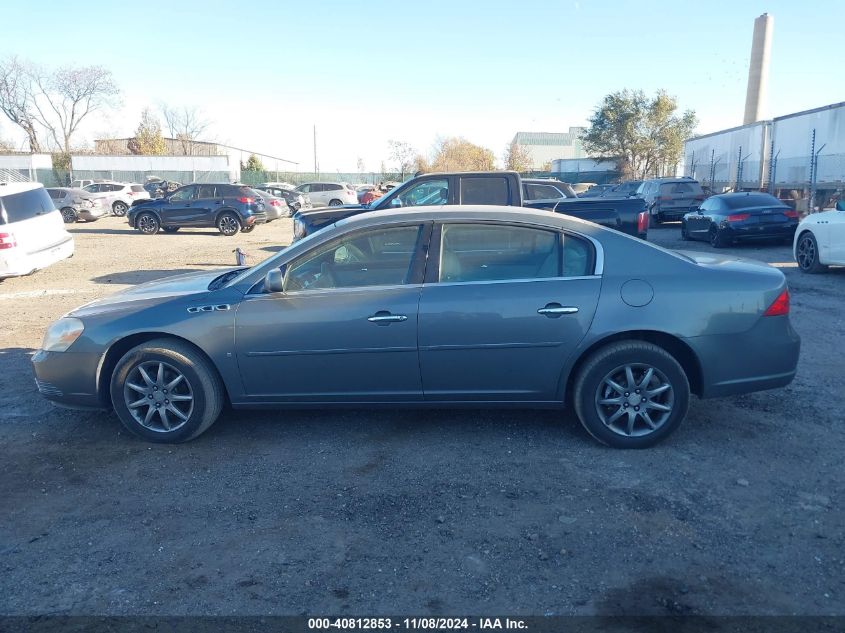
266,263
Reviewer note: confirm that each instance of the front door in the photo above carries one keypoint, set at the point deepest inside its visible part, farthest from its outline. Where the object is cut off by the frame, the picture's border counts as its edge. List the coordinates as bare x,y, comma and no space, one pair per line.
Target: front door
179,208
507,306
345,327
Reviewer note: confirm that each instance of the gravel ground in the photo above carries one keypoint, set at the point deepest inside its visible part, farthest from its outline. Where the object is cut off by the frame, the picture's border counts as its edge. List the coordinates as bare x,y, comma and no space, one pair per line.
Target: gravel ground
385,512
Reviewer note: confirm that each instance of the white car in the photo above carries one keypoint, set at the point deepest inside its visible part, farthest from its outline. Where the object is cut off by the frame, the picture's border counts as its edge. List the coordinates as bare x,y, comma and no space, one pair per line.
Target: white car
32,232
329,194
120,195
820,240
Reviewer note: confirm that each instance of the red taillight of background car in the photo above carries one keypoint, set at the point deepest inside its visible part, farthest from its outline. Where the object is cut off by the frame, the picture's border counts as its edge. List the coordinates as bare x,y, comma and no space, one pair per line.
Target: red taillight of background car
275,203
7,240
780,306
642,222
791,214
245,200
738,217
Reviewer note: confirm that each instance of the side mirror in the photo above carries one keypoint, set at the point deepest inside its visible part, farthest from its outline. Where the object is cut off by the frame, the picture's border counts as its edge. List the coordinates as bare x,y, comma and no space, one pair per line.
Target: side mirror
697,210
396,202
840,206
274,280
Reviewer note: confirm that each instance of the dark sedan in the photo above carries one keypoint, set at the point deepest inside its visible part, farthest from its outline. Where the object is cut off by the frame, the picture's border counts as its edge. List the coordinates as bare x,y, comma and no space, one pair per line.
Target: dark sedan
735,217
453,306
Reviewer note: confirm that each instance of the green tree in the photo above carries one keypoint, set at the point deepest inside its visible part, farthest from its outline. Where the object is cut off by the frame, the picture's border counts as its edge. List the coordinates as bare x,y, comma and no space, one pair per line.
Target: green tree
518,158
643,134
253,163
458,154
148,140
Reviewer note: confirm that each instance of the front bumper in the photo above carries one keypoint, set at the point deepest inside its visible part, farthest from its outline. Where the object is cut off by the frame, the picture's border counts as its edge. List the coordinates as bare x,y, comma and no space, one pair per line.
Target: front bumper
68,378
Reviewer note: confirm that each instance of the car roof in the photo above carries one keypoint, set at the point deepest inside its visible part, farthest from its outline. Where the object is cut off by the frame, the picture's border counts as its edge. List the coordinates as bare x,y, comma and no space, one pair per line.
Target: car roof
7,188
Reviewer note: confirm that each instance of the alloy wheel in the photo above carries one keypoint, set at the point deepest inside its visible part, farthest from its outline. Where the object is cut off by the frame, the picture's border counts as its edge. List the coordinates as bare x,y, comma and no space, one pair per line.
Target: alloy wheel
806,253
634,400
228,225
158,396
119,209
147,223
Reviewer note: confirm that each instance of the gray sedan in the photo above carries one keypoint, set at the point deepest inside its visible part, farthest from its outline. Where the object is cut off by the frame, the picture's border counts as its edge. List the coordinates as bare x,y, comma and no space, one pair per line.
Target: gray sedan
460,306
78,204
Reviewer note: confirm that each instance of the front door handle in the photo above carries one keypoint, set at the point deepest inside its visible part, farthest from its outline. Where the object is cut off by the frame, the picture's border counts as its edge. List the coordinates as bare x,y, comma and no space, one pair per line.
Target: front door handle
554,310
382,317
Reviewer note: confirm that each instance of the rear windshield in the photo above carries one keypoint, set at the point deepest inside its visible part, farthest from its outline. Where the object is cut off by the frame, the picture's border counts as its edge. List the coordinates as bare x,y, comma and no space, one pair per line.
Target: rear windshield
25,205
752,200
692,188
138,188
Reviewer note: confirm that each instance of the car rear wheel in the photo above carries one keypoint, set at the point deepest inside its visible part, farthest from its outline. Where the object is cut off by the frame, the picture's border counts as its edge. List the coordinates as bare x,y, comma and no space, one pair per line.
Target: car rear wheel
684,234
166,391
171,229
807,254
335,203
119,208
69,215
228,224
148,223
631,394
717,239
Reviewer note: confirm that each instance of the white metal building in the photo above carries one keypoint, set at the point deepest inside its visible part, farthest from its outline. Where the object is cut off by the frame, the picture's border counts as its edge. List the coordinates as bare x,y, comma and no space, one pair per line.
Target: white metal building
545,147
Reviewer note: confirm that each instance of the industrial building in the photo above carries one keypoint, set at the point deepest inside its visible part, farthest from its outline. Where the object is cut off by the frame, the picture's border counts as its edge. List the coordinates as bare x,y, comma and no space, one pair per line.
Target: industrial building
544,147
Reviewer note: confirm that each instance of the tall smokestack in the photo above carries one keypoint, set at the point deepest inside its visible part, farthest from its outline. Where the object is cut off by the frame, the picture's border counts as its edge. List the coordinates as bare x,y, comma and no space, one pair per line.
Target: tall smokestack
758,69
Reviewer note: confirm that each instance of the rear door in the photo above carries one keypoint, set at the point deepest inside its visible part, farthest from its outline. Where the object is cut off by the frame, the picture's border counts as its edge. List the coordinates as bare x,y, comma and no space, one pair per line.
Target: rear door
207,200
502,308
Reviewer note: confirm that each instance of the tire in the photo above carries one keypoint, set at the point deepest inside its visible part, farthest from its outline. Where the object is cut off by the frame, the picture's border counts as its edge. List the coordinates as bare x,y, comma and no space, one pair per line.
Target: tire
228,224
171,229
119,208
147,223
590,389
247,229
684,235
807,254
717,240
69,215
335,203
200,391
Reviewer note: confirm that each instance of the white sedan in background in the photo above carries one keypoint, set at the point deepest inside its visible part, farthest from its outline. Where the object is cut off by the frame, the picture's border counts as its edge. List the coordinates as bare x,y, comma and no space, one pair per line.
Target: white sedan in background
820,240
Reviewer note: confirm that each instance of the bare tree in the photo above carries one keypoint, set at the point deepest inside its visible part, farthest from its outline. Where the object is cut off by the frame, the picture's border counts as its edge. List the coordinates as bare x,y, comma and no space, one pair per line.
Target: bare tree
17,98
518,158
186,124
403,155
68,95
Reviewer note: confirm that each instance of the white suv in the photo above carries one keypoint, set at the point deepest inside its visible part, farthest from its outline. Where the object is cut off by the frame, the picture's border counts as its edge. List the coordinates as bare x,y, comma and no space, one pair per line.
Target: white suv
329,194
120,195
32,232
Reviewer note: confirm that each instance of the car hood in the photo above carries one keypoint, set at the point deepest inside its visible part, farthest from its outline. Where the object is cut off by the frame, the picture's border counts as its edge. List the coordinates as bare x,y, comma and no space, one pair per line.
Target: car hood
153,292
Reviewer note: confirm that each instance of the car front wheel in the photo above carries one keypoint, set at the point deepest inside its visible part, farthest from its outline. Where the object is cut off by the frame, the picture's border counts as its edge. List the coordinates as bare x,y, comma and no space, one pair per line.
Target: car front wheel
228,224
631,394
166,391
807,254
148,224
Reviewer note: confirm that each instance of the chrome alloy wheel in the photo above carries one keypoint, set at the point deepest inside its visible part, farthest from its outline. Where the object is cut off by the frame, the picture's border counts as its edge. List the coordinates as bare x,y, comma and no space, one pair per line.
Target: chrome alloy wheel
806,252
228,225
158,396
634,400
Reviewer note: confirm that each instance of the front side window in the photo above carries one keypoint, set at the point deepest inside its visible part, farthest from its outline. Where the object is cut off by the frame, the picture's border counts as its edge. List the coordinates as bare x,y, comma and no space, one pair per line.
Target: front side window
373,258
182,195
542,192
92,188
490,252
304,188
426,193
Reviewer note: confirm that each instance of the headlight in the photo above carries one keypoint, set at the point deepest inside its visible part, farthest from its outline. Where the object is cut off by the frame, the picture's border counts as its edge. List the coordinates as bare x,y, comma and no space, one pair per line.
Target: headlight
298,229
61,334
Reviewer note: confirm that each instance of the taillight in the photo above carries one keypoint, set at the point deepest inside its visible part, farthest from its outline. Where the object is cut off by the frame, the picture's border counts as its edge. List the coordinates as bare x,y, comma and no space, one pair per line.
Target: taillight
275,203
7,240
780,306
738,217
642,222
791,214
245,200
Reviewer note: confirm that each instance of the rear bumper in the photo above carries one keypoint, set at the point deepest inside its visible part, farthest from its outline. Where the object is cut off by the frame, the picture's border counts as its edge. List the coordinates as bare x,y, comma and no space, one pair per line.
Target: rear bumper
89,215
14,262
761,232
764,357
67,378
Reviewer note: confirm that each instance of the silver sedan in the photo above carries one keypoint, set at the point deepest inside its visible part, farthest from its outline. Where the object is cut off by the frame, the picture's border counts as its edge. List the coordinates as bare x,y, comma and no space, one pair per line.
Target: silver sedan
434,307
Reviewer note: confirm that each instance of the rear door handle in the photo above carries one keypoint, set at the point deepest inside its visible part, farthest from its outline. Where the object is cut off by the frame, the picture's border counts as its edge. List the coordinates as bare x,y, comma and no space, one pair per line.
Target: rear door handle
553,310
382,317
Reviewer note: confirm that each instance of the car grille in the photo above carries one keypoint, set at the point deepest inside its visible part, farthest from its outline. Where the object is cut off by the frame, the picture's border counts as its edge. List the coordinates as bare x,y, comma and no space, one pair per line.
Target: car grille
48,389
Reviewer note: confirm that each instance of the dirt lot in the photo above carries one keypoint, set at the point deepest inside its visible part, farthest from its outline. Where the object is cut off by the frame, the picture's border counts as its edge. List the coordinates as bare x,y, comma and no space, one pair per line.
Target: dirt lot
363,512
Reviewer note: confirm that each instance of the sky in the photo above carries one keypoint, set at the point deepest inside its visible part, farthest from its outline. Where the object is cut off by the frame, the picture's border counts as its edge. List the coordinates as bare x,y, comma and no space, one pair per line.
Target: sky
266,72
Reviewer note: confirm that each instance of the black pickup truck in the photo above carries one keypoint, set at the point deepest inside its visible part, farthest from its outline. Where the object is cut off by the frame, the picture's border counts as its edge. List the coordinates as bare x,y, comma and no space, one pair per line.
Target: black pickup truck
504,188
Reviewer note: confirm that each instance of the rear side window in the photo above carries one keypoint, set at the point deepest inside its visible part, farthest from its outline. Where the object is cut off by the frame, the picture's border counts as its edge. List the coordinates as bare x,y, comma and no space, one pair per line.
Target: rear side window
17,207
333,187
137,188
484,190
55,194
